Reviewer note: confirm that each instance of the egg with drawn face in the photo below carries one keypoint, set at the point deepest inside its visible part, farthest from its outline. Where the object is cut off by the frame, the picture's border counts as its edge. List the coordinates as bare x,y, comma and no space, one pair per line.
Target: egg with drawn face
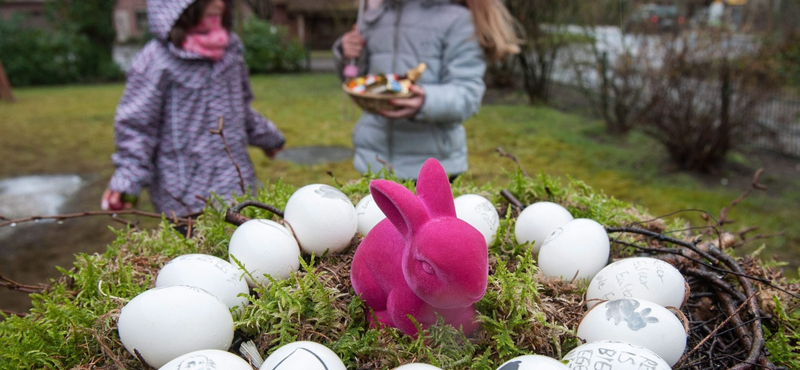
638,322
577,249
533,362
606,354
304,355
322,218
209,359
646,278
480,213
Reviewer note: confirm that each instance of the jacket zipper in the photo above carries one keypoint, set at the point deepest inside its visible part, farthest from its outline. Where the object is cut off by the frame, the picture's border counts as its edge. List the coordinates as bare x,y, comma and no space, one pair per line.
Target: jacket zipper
394,67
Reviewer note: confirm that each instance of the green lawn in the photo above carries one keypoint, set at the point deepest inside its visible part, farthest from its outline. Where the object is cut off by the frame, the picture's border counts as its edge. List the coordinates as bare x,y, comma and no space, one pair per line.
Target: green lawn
69,130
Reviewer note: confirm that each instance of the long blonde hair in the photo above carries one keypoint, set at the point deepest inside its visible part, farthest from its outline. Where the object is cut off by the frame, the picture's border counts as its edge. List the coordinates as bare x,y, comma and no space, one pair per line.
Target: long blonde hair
495,28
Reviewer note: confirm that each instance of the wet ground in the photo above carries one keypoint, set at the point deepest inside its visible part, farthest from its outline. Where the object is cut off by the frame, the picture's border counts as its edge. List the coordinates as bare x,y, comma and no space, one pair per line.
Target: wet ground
30,251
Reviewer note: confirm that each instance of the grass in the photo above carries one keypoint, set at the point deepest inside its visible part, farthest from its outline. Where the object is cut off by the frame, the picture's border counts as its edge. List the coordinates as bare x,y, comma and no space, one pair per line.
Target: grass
69,130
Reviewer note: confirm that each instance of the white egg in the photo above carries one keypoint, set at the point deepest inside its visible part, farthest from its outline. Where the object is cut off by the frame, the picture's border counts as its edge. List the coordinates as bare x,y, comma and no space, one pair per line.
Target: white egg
533,362
303,355
264,247
578,248
368,214
637,322
209,359
164,323
646,278
537,221
480,213
322,218
212,274
606,354
417,366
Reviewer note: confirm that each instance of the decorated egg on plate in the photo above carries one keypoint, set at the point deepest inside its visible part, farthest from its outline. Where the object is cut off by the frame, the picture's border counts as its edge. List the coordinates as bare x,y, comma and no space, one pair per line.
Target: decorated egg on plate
638,322
606,354
263,247
208,359
480,213
368,214
533,362
646,278
164,323
536,222
417,366
210,273
578,248
322,218
303,355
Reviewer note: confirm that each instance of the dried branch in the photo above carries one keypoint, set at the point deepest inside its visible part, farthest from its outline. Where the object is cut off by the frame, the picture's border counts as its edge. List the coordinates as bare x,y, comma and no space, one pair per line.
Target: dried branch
513,158
13,285
219,131
112,214
233,215
512,200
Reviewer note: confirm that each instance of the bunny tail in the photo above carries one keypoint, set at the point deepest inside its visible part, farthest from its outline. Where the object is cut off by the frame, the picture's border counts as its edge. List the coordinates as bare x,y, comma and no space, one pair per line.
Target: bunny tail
433,188
400,206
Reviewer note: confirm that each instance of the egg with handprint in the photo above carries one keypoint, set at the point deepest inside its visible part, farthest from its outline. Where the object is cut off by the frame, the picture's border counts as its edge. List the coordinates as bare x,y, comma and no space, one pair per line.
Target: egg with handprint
636,321
209,359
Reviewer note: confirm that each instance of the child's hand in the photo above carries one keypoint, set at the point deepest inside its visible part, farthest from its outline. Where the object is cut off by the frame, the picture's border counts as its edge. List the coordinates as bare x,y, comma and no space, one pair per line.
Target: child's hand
271,153
352,44
113,200
409,106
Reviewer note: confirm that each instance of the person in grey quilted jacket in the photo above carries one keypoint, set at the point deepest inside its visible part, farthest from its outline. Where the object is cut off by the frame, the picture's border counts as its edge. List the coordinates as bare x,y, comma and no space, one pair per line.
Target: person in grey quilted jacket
454,41
186,80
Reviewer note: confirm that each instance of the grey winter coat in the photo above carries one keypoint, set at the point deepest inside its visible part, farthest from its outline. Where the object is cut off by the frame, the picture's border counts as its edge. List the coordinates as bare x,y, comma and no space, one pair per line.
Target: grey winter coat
172,99
399,35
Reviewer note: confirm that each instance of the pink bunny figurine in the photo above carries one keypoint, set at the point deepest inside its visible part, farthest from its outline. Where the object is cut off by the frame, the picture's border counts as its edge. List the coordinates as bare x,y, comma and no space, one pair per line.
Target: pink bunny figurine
421,260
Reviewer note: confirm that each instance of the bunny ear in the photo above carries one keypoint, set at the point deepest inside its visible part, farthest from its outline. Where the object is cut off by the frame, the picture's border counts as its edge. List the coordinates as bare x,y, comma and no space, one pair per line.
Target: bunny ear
433,188
399,205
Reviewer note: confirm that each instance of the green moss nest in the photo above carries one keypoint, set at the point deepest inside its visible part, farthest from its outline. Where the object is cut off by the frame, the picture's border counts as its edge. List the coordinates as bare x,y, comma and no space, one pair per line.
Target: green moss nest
72,324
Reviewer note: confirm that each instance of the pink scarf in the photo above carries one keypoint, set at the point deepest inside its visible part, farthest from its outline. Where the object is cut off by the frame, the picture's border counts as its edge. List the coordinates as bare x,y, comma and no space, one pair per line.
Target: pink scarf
208,38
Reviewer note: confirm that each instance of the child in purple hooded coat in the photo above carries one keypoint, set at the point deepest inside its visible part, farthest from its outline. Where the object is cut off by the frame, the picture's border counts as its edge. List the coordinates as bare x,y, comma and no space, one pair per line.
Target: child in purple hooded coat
191,75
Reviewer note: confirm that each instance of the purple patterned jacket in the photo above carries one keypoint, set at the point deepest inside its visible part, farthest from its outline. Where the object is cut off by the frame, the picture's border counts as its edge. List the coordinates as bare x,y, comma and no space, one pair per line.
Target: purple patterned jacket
172,99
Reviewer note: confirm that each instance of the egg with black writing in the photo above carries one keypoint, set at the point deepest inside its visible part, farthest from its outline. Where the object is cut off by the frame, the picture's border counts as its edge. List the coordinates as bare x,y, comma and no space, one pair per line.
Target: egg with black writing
210,273
368,213
614,355
577,249
480,213
535,223
647,278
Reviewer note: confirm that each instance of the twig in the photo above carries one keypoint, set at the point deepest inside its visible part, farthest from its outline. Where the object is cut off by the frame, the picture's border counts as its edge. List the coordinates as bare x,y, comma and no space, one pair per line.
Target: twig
61,217
234,216
221,133
512,199
513,158
101,337
754,185
18,314
13,285
663,238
